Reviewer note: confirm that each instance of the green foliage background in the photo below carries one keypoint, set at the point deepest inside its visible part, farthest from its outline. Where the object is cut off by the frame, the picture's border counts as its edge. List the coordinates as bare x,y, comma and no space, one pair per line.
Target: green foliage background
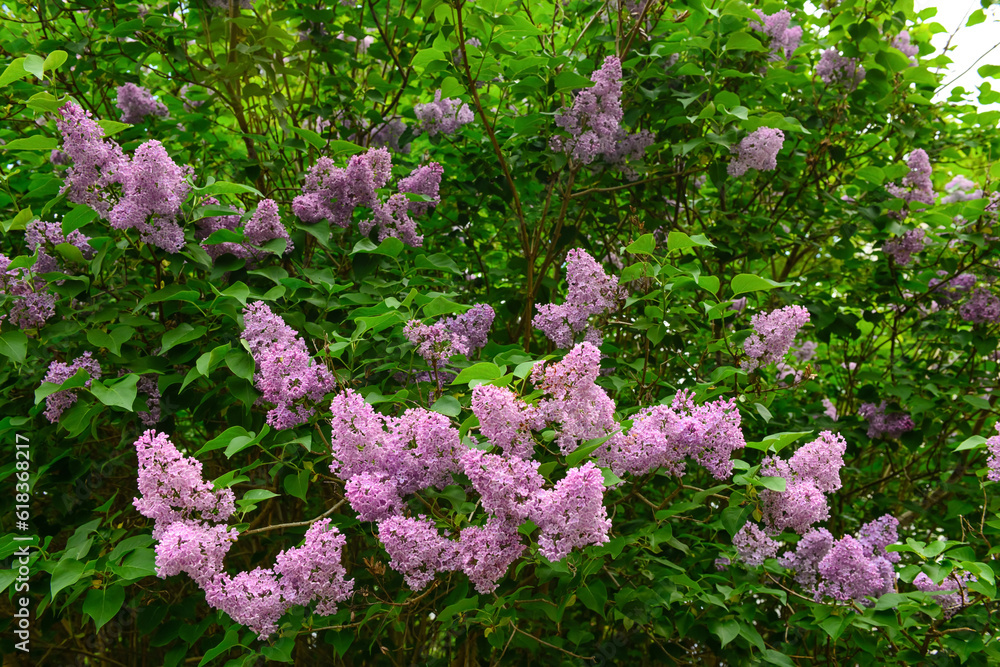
688,237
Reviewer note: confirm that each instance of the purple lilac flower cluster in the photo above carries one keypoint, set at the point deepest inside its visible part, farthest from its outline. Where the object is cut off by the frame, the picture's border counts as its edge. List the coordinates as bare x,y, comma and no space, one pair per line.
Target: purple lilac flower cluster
851,568
286,374
591,292
206,226
144,193
136,103
505,420
981,306
835,69
442,115
190,515
758,150
30,305
753,546
902,248
811,473
917,186
955,583
149,385
264,225
332,193
594,123
961,188
43,237
784,40
949,291
382,459
881,424
663,436
59,372
774,333
902,42
462,334
993,463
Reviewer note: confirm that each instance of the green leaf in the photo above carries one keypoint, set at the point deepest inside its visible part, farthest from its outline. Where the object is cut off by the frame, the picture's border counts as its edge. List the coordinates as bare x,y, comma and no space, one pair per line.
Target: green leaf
448,406
727,631
567,80
484,370
680,240
316,140
391,247
763,411
19,221
54,60
36,142
584,450
223,439
773,483
231,639
14,72
119,393
35,65
297,484
743,41
978,403
974,442
70,253
183,333
66,573
102,604
14,345
340,147
240,363
78,379
643,245
225,188
748,282
112,127
465,604
112,341
239,443
173,292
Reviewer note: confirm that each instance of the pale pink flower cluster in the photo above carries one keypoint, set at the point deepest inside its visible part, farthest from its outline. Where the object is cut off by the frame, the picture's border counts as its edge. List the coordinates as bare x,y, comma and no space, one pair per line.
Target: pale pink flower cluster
59,372
192,538
774,333
811,473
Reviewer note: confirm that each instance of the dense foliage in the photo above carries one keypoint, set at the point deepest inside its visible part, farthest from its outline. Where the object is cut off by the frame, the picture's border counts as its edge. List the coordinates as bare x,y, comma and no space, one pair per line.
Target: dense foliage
495,332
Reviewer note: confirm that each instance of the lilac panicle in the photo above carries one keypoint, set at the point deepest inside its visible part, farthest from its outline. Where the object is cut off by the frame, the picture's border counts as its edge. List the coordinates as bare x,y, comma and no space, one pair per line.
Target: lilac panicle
902,42
572,515
590,292
172,487
149,385
956,585
505,420
286,374
758,150
416,549
917,186
961,188
902,248
773,335
821,461
43,237
424,180
96,163
574,401
848,572
881,424
835,69
462,334
508,487
784,40
265,225
442,115
981,306
485,552
136,103
332,192
993,462
59,372
594,122
753,546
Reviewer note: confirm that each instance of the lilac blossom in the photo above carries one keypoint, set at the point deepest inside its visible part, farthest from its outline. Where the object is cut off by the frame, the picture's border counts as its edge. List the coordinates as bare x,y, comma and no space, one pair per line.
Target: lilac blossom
416,549
392,217
981,306
951,290
753,546
902,248
462,334
424,180
314,570
812,548
59,372
956,585
265,225
758,150
784,40
286,374
30,305
442,115
172,487
961,188
881,424
509,488
829,409
136,103
594,122
59,158
835,69
917,186
96,163
993,462
43,237
848,572
207,226
590,292
149,385
574,401
374,496
153,188
193,548
805,352
332,192
572,515
812,471
902,42
487,551
505,420
774,333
